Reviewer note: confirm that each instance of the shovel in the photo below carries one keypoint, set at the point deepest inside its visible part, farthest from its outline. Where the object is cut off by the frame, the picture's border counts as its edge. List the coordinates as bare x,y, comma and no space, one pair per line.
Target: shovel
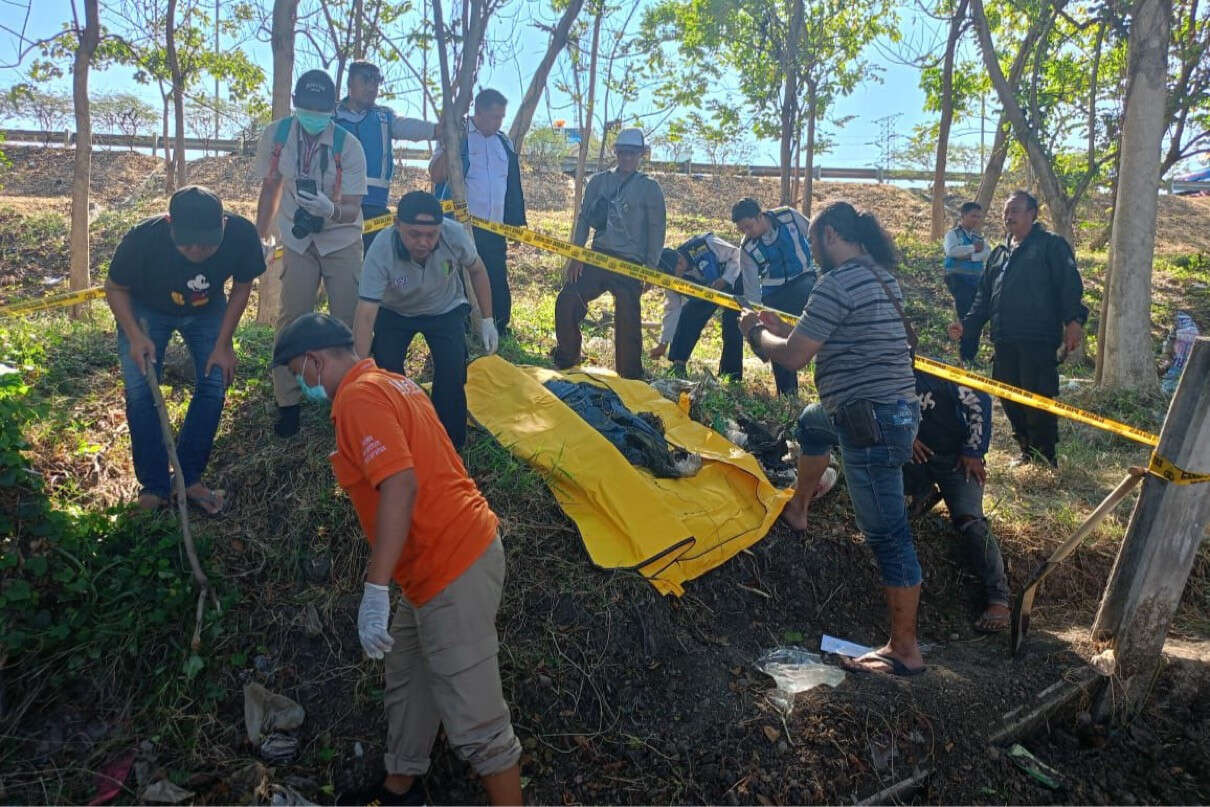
1025,600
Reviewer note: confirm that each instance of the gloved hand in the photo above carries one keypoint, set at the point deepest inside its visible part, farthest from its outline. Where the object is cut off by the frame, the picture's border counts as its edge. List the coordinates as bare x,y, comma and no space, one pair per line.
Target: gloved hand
317,205
372,619
268,247
491,338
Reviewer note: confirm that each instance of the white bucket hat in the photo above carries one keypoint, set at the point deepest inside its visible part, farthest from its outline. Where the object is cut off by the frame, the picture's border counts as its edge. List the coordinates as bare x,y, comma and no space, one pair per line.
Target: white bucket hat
630,137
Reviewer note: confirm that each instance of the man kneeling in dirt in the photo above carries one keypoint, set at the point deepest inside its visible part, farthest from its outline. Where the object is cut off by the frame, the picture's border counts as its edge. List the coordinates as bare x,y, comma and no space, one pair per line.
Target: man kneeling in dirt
434,533
955,429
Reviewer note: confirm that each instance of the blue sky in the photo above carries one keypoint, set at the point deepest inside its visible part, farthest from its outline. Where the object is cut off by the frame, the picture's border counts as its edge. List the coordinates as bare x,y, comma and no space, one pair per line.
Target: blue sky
897,94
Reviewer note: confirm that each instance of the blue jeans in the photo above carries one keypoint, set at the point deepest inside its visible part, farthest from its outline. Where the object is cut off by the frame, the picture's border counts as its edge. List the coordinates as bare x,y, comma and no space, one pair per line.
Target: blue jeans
196,437
874,477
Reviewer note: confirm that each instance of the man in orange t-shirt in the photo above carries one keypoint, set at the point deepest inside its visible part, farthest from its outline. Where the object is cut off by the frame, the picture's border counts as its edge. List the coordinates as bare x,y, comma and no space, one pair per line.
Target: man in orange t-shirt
434,533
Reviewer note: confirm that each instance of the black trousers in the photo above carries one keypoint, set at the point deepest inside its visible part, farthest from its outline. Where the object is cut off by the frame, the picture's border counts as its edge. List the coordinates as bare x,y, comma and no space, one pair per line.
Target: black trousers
446,338
371,212
694,316
1031,366
791,298
493,250
963,291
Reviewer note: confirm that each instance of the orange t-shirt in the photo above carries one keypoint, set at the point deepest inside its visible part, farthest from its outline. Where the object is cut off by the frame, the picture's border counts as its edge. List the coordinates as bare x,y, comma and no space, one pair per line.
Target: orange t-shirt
386,424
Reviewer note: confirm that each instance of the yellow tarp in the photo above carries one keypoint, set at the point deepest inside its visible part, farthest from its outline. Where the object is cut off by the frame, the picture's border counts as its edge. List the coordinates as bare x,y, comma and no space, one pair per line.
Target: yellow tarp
669,530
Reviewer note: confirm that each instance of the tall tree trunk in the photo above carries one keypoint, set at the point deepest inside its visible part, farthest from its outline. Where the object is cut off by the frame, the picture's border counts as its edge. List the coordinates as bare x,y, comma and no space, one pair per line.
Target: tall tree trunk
995,164
89,37
1061,207
285,16
808,179
789,101
524,115
281,39
586,121
947,119
178,96
359,45
169,173
999,152
1128,360
456,92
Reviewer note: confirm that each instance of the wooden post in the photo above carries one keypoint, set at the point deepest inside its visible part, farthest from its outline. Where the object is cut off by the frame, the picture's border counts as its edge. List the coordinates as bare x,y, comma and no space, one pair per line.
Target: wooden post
1166,528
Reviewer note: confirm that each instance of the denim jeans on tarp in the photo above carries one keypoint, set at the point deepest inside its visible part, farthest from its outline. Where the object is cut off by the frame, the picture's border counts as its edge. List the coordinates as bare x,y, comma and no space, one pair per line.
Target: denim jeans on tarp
964,498
874,477
196,437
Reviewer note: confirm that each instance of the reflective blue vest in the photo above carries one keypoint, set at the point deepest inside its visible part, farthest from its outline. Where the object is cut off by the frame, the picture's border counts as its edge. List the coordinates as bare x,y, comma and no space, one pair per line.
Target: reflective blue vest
963,266
374,133
787,257
703,263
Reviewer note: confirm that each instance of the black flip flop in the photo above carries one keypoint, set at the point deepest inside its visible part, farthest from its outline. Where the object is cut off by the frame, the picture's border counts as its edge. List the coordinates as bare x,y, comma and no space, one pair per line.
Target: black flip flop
898,668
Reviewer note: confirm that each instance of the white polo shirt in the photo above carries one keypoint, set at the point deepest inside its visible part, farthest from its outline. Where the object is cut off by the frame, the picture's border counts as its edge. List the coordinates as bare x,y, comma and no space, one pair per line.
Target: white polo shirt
487,175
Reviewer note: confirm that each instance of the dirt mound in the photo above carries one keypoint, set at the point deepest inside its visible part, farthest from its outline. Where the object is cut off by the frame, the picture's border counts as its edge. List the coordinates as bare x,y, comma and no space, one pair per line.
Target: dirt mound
34,171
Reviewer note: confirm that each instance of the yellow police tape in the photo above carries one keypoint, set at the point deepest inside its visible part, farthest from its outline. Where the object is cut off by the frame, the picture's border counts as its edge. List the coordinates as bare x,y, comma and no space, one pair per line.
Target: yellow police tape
1158,466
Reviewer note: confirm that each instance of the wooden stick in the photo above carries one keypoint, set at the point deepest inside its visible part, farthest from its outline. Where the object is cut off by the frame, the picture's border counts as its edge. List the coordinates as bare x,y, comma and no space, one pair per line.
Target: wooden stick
182,501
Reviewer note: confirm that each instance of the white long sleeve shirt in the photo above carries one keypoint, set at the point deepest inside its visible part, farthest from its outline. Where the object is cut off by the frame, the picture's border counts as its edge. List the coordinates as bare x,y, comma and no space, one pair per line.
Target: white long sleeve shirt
956,247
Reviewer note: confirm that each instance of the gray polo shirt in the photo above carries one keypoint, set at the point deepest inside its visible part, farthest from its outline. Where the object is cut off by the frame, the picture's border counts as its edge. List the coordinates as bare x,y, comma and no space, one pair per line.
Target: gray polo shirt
291,164
413,289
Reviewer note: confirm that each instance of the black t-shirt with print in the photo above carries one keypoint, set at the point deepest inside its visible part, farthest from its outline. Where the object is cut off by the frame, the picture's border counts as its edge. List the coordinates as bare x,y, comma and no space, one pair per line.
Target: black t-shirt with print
160,277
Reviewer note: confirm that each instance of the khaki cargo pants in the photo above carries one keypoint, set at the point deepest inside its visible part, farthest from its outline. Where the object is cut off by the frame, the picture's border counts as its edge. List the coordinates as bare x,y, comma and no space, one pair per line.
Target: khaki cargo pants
443,670
302,272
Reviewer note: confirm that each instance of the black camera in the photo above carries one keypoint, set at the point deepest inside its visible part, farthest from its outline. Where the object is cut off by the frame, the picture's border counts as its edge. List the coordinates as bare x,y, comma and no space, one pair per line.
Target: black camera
305,224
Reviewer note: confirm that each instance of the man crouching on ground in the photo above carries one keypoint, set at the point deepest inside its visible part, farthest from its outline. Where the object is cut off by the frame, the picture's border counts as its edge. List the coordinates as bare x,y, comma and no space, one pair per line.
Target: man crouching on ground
434,533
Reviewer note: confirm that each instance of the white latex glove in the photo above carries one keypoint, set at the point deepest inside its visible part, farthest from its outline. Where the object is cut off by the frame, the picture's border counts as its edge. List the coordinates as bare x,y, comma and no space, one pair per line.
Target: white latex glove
317,205
372,619
268,247
491,338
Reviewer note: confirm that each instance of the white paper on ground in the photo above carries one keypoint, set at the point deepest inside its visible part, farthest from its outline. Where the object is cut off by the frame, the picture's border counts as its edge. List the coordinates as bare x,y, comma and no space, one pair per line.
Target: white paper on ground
830,644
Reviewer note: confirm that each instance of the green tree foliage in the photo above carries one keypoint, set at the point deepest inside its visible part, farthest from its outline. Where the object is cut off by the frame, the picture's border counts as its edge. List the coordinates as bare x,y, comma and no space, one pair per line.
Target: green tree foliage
787,78
123,113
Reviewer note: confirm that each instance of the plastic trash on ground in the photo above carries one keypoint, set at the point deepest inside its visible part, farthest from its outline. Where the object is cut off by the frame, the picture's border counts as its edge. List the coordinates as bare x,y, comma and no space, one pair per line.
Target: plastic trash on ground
796,670
266,712
842,647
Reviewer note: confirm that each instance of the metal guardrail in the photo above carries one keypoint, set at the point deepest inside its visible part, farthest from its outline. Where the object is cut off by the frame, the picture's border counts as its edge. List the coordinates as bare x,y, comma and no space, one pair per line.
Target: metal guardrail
568,164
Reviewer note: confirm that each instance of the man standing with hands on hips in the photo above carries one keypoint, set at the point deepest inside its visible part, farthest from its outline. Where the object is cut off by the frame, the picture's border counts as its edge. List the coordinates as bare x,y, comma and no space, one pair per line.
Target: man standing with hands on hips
313,176
433,533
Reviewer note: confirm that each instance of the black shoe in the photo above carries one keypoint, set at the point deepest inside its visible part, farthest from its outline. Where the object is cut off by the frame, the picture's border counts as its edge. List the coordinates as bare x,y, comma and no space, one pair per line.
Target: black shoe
379,795
287,421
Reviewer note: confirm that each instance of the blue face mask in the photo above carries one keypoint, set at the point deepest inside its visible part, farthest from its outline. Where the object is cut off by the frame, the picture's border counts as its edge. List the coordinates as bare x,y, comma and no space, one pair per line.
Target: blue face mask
312,122
315,394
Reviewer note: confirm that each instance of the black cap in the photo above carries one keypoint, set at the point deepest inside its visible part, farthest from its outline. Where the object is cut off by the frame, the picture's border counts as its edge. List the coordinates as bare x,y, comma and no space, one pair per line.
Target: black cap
668,259
310,332
419,207
196,216
315,90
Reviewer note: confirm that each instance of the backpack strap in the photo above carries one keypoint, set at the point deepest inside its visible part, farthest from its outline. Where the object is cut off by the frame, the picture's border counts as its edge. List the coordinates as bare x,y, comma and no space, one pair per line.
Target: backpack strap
338,146
280,135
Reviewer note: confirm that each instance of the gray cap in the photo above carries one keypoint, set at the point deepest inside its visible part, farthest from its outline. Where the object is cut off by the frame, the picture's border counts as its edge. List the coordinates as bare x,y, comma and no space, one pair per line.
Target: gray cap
310,332
632,138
